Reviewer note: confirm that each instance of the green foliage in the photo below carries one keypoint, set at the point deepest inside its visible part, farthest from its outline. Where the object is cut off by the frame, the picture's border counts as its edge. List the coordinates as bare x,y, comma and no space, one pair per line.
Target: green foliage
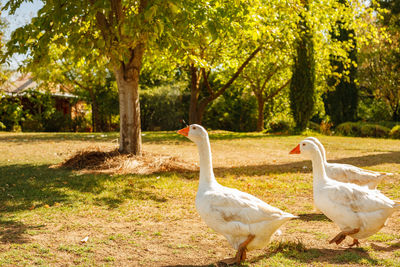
395,132
11,112
379,61
362,130
302,86
348,129
388,124
35,111
374,130
314,126
373,108
163,107
74,44
32,123
57,122
236,111
341,101
280,126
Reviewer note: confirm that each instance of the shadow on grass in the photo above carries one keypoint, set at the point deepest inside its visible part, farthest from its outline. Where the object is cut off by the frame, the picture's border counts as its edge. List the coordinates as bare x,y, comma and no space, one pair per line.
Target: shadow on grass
296,167
395,246
312,217
15,232
298,253
305,165
26,186
192,265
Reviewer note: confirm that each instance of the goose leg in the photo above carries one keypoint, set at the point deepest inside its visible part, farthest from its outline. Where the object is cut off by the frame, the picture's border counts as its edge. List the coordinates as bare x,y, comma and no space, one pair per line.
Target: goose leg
241,252
342,235
355,242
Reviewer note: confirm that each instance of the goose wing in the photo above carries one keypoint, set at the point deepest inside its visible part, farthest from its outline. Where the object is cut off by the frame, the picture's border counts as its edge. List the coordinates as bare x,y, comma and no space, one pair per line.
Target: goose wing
234,205
358,198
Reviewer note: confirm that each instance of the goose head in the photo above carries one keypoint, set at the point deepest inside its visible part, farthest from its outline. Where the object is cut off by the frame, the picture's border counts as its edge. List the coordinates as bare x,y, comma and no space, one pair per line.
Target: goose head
320,146
313,139
194,132
307,148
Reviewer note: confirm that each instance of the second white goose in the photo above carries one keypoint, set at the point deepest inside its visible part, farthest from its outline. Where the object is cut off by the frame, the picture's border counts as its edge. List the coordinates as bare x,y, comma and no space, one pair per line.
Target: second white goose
358,211
349,173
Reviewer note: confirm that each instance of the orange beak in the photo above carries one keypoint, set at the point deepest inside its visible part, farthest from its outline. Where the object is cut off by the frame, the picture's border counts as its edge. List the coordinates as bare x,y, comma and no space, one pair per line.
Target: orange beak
295,150
184,131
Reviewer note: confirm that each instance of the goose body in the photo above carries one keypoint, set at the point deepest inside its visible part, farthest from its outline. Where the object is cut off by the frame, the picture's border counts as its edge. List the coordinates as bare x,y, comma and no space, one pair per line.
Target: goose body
236,215
348,173
358,211
246,221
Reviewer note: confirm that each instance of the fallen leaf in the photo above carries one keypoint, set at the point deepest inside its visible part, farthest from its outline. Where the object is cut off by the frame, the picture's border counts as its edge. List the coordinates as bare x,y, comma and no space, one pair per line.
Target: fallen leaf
46,206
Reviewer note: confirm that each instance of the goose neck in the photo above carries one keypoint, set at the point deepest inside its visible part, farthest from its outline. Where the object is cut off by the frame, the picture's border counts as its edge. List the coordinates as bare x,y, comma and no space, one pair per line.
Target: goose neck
206,168
323,154
319,174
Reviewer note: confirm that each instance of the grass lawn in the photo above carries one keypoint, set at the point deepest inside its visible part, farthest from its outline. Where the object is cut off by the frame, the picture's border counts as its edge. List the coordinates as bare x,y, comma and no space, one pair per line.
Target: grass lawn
150,220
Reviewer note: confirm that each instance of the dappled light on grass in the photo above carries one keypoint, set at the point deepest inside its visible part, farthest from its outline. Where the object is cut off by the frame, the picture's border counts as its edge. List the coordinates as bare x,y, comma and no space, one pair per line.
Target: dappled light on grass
12,231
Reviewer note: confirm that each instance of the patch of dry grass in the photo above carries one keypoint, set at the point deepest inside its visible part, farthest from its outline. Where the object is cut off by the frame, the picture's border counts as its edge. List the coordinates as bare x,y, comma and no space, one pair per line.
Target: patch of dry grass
95,159
150,219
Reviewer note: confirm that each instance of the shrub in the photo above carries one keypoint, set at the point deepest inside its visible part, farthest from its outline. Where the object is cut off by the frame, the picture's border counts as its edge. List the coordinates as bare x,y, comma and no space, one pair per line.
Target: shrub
388,124
395,132
11,113
163,108
349,129
362,130
326,127
374,130
279,126
57,122
235,111
32,124
314,126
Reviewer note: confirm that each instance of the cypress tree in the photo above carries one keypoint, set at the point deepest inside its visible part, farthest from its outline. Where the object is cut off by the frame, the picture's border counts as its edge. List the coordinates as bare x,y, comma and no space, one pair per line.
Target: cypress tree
302,86
341,100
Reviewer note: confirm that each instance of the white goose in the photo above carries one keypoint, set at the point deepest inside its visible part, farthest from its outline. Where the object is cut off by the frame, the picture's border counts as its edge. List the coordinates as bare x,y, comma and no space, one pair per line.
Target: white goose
358,211
246,221
349,173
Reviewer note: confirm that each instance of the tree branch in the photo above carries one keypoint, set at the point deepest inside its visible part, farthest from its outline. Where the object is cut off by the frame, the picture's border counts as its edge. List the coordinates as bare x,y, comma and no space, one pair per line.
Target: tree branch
235,75
205,79
278,90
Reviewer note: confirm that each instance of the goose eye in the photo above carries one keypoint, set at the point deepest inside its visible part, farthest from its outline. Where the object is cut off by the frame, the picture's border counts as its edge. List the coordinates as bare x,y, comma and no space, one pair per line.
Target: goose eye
194,127
304,144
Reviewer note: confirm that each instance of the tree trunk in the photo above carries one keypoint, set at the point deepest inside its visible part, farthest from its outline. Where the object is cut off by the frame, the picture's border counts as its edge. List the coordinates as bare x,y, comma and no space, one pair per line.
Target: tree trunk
260,118
95,112
396,113
194,95
127,76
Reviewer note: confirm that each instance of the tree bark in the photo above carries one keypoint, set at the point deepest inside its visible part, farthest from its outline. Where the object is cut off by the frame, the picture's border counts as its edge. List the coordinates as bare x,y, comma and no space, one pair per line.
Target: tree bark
396,113
195,75
260,118
96,124
127,76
